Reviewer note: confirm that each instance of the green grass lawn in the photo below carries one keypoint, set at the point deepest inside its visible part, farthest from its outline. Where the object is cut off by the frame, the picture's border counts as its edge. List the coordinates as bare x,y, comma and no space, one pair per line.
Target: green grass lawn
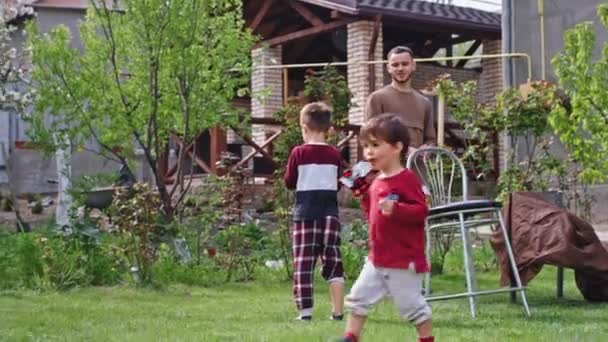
263,311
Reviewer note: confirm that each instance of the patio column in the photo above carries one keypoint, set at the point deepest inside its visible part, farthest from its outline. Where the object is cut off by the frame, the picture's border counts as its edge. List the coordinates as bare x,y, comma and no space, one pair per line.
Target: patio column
265,81
360,36
490,84
490,80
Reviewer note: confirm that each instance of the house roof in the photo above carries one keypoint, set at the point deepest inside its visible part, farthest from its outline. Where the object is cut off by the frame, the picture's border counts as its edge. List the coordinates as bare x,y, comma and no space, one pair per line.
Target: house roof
418,11
62,4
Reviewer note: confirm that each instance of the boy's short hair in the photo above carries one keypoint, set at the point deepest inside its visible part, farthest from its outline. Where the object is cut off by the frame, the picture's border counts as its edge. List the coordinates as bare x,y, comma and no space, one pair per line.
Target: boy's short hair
316,116
386,127
400,49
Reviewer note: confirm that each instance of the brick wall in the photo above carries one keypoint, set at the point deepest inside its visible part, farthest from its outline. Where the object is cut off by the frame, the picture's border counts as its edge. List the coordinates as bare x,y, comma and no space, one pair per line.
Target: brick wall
426,73
359,37
490,82
268,82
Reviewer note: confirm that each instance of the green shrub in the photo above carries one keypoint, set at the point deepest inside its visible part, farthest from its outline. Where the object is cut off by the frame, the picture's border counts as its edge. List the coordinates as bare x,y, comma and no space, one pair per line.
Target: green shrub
354,248
484,258
168,270
20,260
6,204
49,261
353,258
140,227
240,250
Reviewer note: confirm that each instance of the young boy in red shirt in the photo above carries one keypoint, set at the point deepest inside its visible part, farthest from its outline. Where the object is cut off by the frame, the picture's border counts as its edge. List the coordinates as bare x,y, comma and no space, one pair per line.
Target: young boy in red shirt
312,171
396,211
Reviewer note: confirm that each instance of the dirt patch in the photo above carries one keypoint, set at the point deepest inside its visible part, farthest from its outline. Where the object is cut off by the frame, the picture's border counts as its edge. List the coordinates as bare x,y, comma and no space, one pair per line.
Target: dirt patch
348,215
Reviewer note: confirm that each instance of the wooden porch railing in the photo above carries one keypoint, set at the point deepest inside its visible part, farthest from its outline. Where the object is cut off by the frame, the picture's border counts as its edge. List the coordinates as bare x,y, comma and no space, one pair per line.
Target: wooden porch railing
218,144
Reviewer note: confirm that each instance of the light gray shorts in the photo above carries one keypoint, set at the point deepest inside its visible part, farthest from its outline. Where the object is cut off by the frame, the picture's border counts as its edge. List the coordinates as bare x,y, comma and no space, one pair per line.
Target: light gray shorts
403,286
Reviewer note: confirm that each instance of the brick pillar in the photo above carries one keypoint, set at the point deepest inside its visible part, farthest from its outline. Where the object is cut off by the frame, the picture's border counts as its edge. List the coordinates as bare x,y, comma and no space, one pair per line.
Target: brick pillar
491,84
490,80
358,44
268,82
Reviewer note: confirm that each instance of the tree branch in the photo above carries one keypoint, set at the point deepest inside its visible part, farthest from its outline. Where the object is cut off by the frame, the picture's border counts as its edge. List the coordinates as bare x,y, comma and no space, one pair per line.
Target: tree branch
109,35
599,109
79,108
185,190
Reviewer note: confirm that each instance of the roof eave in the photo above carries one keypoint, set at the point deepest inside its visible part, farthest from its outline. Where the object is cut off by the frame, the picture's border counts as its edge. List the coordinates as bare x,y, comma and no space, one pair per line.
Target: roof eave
463,24
332,5
60,7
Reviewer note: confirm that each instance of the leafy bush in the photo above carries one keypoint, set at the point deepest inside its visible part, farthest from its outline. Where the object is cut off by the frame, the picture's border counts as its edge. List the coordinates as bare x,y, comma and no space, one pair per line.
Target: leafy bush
20,260
484,258
201,214
138,221
6,204
51,261
205,272
354,248
240,247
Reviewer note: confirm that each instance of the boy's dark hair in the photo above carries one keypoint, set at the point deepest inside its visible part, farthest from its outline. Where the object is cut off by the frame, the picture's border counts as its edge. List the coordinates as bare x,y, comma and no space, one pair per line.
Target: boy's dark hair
386,127
400,49
317,116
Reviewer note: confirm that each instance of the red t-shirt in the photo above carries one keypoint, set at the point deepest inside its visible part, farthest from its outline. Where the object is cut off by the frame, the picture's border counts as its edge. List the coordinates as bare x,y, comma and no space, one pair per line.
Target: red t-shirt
398,240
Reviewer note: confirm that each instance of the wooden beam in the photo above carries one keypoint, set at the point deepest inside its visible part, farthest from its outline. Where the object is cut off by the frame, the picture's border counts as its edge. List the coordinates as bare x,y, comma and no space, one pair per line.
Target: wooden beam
217,139
260,15
257,148
469,52
312,31
285,29
305,13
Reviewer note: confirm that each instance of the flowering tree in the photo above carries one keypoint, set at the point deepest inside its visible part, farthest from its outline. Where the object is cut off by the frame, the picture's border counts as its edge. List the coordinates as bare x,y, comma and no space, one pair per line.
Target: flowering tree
14,90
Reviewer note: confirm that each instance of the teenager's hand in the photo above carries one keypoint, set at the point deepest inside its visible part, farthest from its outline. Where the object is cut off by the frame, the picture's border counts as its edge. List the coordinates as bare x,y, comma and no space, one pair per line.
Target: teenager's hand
387,206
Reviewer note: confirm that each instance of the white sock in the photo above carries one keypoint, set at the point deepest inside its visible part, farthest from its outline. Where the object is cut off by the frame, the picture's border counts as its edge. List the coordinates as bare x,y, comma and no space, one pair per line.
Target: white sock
306,312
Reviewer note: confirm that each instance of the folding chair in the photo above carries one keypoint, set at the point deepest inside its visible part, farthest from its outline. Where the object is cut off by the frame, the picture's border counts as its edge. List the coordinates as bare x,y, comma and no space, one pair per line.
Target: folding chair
450,211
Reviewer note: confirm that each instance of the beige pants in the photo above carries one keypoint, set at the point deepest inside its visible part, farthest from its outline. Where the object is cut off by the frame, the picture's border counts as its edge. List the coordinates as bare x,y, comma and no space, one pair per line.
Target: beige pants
403,286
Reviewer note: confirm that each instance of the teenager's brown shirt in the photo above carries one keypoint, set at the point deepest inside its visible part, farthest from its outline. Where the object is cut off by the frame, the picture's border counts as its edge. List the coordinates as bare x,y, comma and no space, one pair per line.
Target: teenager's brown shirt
413,107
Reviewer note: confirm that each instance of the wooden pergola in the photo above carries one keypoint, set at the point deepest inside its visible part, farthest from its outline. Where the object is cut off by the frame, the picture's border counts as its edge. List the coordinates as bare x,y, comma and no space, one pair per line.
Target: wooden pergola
314,31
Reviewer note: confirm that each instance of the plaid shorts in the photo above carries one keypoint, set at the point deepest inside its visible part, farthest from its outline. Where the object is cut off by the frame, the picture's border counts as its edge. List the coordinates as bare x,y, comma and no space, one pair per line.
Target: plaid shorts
311,240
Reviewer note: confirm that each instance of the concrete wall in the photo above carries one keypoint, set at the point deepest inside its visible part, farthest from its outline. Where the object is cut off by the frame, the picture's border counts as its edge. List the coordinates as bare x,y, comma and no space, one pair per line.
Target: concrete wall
11,128
31,170
426,73
560,15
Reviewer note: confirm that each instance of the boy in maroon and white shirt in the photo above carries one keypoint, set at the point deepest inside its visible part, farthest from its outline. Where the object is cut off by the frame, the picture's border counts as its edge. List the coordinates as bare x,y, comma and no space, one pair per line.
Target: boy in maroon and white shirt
312,171
396,211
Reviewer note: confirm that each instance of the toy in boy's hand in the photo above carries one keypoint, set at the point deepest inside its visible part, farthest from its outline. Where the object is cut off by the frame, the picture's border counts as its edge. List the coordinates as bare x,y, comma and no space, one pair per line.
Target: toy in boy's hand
392,197
387,204
355,178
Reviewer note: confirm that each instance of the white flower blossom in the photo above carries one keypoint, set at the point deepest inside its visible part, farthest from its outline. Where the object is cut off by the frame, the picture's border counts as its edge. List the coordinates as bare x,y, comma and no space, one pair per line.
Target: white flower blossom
14,90
10,9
